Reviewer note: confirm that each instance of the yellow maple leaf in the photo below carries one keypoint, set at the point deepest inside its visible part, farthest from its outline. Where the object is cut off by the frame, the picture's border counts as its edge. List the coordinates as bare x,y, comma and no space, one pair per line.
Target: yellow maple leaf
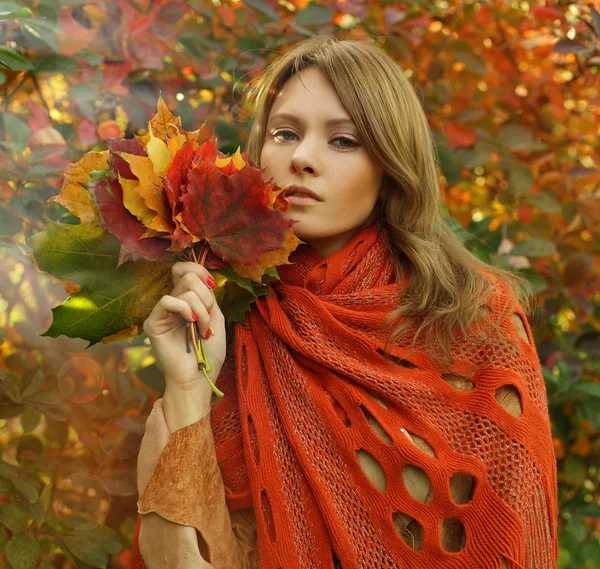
159,154
183,226
134,202
162,119
150,189
270,259
73,195
175,141
238,161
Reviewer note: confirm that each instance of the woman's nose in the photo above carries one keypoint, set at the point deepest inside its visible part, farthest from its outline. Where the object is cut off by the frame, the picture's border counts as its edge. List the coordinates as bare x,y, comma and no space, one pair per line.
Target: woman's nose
304,158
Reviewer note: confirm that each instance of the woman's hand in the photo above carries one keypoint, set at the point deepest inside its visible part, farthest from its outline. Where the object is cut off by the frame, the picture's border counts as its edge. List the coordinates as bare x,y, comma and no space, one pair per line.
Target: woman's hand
166,328
163,544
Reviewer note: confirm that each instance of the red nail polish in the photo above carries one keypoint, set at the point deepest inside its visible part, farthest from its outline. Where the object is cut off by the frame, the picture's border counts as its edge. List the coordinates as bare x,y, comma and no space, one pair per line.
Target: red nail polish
207,335
194,316
212,283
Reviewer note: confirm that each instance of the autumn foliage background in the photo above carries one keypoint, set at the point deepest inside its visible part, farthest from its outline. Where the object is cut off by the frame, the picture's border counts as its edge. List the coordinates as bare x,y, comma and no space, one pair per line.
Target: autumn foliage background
512,91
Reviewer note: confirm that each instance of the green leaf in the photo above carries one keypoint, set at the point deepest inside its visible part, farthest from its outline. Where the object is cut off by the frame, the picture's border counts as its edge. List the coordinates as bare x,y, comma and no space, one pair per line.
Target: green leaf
195,48
87,549
313,15
30,418
545,201
230,275
517,138
152,377
566,45
105,536
472,62
12,11
595,19
447,157
46,497
31,381
18,131
535,247
50,403
272,274
575,468
9,224
10,386
111,299
6,486
43,31
2,77
11,473
83,93
26,489
14,60
265,9
8,411
520,179
12,517
235,301
23,551
55,64
592,509
538,281
49,10
588,388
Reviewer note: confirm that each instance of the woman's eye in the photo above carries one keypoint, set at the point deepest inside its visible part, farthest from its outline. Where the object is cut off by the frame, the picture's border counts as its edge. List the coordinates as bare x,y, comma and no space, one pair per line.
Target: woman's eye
280,135
345,140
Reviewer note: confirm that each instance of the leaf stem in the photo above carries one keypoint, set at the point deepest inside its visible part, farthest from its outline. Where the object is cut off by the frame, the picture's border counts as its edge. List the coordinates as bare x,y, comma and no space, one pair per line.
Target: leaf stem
196,337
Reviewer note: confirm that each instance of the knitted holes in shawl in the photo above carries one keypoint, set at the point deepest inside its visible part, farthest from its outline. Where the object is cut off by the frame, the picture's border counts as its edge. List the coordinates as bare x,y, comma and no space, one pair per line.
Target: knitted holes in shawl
452,532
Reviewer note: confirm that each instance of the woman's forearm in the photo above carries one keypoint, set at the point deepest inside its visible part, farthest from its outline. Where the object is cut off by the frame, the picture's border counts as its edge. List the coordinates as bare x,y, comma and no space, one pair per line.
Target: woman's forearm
168,545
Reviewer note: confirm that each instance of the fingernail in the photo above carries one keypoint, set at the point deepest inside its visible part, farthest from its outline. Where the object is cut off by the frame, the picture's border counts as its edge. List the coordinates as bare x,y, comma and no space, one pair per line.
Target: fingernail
212,283
194,316
208,334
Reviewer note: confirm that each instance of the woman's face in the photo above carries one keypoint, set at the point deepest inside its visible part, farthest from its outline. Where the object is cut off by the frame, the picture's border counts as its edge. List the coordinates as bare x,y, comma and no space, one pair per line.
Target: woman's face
301,148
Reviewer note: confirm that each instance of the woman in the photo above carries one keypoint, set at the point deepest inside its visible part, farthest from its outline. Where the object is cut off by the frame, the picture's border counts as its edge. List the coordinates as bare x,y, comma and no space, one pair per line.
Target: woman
385,406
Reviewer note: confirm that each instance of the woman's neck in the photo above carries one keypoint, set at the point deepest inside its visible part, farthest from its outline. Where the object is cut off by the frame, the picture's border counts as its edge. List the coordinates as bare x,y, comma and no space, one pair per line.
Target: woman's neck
328,245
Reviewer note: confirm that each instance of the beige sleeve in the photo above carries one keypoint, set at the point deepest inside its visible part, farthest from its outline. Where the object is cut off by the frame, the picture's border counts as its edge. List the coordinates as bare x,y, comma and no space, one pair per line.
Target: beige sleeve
187,488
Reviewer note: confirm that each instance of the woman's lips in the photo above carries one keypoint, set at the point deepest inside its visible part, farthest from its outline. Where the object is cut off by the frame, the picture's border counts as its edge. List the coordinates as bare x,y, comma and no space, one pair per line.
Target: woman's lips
300,199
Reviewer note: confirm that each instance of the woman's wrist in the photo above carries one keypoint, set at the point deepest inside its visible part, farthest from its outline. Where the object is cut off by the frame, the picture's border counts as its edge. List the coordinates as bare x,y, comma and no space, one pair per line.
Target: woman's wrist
184,406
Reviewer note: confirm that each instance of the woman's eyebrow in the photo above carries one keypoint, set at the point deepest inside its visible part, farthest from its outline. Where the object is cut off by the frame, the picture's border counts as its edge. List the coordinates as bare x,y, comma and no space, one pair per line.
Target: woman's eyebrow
328,123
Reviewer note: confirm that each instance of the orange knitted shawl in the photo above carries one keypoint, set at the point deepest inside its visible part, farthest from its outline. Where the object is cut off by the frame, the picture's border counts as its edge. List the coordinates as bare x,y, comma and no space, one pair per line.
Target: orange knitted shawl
308,392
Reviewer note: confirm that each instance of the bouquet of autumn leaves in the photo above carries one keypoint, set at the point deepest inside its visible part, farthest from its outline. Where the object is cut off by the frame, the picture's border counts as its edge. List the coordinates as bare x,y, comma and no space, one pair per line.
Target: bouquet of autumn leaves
144,204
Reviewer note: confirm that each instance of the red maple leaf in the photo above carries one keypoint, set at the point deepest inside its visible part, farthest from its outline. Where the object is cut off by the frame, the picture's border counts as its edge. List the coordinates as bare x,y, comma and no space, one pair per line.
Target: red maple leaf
229,212
108,198
129,146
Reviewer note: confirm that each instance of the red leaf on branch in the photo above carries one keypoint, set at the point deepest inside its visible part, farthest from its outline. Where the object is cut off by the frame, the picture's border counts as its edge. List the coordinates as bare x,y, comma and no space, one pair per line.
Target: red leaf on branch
40,118
115,74
459,135
548,13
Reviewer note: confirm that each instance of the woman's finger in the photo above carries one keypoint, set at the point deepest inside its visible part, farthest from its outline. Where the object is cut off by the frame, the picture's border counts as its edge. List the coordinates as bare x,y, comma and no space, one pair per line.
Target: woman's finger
181,268
191,281
170,305
199,310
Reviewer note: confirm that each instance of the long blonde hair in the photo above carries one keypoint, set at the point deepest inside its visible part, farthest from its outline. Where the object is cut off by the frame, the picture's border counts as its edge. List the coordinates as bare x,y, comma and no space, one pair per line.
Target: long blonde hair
446,290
